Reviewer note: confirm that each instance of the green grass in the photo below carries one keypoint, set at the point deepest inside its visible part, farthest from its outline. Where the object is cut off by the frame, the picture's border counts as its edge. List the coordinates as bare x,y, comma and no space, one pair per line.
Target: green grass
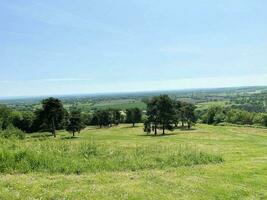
208,162
69,157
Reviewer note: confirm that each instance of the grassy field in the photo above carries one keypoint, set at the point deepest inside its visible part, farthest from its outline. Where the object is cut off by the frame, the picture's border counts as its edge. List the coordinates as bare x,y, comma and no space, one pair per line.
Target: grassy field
122,163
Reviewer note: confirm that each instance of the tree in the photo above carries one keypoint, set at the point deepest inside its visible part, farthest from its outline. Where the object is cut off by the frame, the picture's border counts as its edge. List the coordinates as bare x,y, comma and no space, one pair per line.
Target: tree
75,123
214,115
54,113
161,111
116,116
260,119
147,126
39,122
105,118
166,112
95,119
152,115
23,121
189,114
178,117
5,117
264,120
133,116
241,117
182,113
102,118
86,118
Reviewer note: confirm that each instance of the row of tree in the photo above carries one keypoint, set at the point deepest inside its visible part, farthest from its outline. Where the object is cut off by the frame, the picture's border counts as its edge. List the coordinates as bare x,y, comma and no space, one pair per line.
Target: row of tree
218,114
162,113
52,116
111,117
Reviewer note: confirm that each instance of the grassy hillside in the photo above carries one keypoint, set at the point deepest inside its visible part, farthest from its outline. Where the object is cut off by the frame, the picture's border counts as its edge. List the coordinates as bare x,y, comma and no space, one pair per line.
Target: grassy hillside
123,163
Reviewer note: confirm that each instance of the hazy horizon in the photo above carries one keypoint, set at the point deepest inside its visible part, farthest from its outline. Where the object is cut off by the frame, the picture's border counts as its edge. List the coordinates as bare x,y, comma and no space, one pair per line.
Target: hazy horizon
61,48
129,93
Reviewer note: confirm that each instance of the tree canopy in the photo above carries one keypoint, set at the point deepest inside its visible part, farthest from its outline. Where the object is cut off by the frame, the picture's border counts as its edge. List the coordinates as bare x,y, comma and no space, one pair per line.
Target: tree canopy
53,113
133,116
75,123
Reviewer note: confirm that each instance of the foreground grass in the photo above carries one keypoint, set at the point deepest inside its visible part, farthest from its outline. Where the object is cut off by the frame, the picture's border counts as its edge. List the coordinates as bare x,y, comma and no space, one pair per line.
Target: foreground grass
69,157
242,175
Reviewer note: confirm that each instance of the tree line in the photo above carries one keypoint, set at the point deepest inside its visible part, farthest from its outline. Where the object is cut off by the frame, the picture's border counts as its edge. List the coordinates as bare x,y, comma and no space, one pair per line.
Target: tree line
109,117
53,116
162,113
217,115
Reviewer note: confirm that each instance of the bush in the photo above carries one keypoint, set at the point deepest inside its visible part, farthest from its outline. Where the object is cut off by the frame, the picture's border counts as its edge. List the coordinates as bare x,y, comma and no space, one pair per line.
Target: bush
213,115
12,132
23,121
260,119
239,117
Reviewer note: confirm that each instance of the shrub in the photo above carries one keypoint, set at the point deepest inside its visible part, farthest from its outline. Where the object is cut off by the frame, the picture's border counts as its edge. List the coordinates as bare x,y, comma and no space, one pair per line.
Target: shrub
260,119
23,121
213,115
239,117
12,132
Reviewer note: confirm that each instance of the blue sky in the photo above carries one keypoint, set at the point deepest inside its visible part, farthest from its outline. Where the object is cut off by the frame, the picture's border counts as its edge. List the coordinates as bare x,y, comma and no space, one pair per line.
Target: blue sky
89,46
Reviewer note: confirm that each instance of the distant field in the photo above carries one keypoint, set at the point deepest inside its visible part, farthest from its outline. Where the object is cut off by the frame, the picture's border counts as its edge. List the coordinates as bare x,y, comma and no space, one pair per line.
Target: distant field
202,97
120,104
206,105
123,163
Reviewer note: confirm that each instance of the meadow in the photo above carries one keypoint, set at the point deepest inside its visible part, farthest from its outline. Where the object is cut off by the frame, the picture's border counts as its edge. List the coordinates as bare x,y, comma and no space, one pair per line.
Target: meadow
208,162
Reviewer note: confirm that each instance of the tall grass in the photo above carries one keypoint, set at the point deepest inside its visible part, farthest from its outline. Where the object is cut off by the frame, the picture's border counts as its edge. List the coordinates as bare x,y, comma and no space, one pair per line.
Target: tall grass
79,157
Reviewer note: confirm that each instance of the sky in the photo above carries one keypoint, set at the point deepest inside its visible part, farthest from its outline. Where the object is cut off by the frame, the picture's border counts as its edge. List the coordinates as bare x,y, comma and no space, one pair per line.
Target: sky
57,47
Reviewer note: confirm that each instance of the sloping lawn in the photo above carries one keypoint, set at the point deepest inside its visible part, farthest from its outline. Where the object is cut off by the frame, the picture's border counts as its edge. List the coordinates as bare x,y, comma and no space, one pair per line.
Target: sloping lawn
123,163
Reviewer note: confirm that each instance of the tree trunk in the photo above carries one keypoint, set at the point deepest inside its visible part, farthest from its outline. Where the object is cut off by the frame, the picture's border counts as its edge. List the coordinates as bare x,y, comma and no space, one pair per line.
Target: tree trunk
188,125
133,124
163,129
182,124
53,127
155,129
73,133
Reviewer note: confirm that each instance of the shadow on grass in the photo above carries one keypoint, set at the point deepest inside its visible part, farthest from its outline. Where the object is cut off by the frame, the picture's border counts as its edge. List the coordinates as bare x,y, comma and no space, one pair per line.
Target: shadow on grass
102,128
69,138
158,135
185,129
129,127
47,135
169,134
